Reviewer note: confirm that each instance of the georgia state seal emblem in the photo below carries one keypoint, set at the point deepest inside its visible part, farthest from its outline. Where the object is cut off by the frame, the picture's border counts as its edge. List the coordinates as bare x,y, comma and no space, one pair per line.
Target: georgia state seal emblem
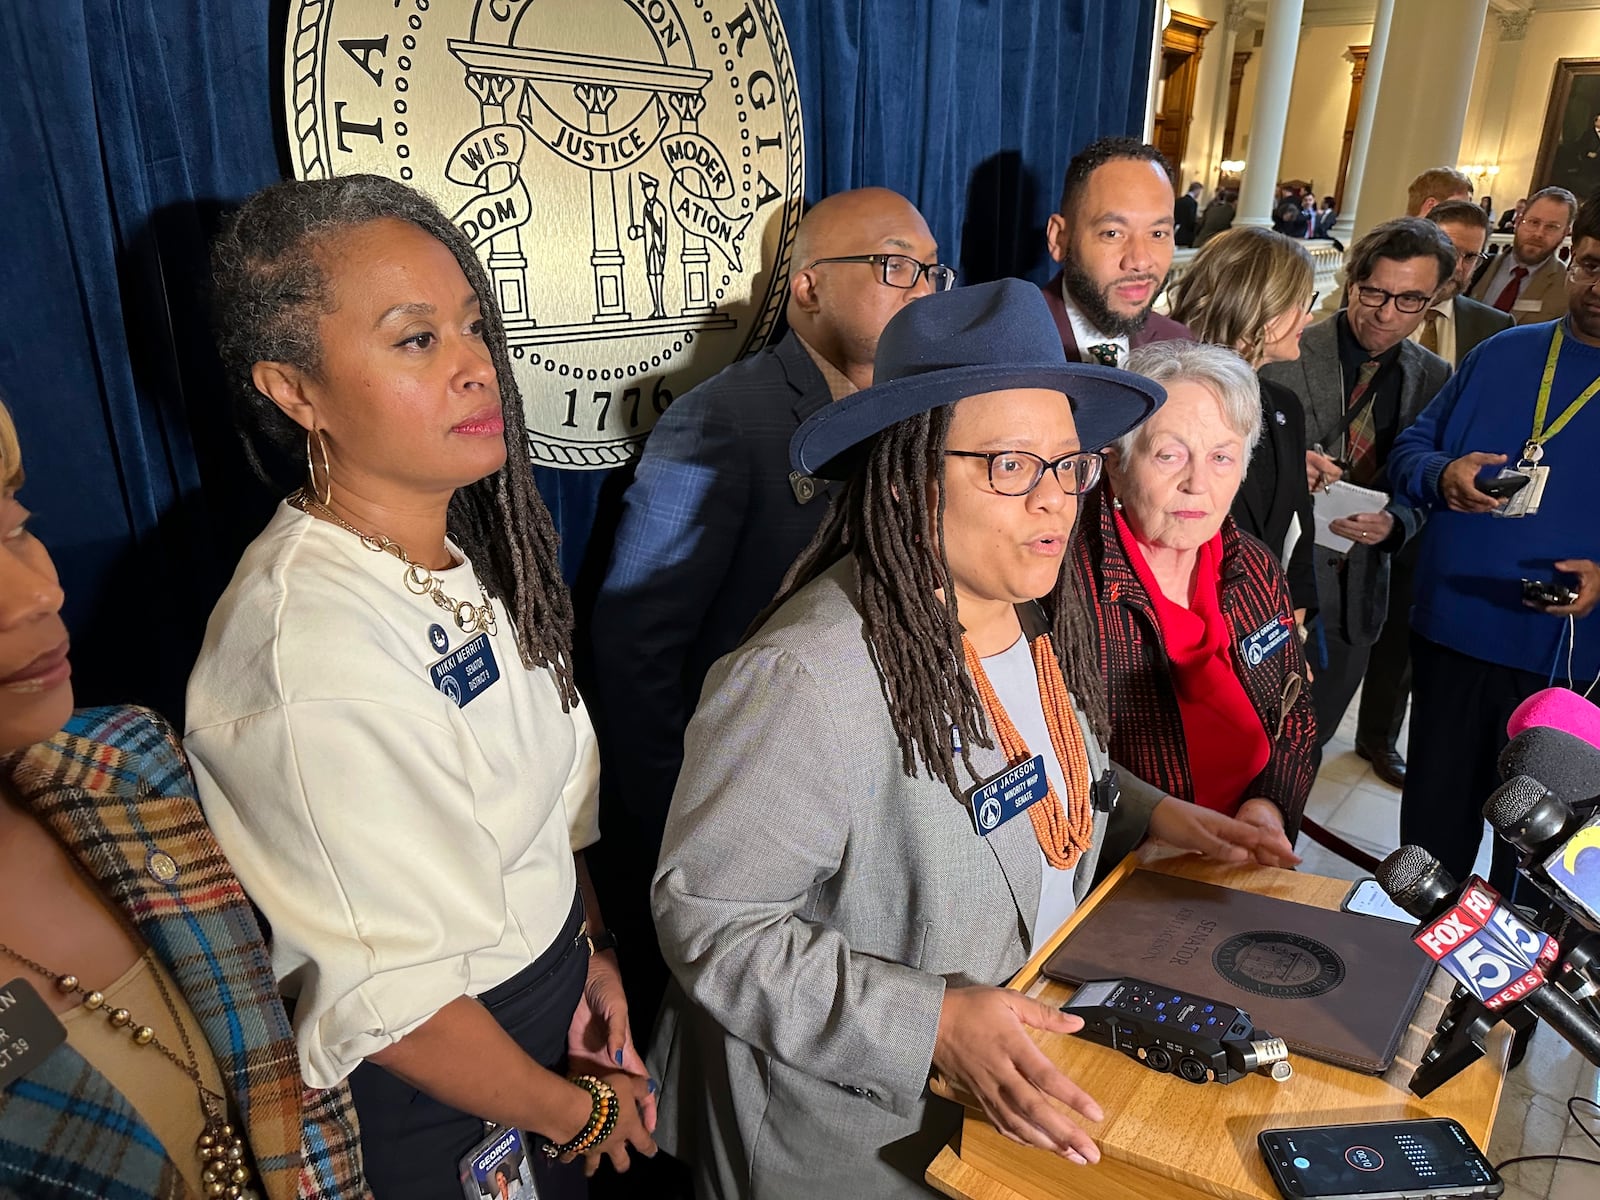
630,171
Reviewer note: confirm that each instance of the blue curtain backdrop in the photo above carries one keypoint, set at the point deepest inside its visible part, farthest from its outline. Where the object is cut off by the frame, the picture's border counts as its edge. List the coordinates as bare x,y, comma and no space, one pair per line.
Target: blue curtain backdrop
128,127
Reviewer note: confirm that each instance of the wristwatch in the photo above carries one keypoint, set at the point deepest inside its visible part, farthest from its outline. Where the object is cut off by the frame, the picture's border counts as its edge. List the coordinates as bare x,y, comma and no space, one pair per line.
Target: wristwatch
604,940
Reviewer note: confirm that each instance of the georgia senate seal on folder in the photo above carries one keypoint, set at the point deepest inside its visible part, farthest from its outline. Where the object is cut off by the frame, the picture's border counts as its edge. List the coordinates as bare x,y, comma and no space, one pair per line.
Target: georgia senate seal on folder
1335,985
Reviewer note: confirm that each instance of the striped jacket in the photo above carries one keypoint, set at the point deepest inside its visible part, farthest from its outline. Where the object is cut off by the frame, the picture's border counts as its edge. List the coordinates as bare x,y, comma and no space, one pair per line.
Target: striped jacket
114,788
1147,727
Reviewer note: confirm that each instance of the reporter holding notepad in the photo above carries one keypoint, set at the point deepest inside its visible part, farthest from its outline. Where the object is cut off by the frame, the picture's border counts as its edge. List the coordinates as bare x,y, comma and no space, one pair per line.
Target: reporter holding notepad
1361,381
848,869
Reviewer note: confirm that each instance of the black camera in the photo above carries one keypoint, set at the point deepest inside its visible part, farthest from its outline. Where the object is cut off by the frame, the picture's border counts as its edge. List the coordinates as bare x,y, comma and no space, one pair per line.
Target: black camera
1201,1040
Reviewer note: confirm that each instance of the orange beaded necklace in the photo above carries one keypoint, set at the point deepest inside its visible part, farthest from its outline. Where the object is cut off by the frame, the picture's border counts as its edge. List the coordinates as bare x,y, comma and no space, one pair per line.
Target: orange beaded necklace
1064,831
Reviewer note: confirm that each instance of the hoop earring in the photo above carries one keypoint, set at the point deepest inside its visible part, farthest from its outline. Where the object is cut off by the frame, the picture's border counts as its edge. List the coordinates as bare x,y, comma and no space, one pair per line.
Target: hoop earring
323,494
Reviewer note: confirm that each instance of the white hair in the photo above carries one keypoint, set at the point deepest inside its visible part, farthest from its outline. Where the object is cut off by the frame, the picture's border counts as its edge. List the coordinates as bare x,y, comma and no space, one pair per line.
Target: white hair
1217,369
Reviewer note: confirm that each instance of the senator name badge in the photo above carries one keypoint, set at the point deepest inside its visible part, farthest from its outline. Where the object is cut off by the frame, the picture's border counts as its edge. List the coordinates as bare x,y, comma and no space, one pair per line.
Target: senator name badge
1268,640
467,672
1008,793
29,1031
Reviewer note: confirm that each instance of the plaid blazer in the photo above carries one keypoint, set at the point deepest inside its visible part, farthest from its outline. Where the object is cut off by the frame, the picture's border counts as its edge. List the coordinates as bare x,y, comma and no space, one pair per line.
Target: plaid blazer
1146,725
114,788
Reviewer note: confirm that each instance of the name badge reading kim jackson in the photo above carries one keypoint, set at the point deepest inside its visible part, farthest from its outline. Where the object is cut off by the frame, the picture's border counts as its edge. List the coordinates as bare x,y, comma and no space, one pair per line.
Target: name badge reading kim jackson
1268,640
466,673
29,1031
1012,791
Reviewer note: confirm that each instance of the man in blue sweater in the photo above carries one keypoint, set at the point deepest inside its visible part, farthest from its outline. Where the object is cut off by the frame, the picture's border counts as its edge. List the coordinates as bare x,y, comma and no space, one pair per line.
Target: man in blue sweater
1521,402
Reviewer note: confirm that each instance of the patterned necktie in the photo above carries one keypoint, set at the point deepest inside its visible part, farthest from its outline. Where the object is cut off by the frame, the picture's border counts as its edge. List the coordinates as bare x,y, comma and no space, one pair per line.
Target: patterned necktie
1430,330
1104,353
1360,442
1508,294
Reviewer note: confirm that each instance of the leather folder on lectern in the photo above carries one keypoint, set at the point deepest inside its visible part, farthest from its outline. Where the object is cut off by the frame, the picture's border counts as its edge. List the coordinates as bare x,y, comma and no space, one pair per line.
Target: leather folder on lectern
1335,985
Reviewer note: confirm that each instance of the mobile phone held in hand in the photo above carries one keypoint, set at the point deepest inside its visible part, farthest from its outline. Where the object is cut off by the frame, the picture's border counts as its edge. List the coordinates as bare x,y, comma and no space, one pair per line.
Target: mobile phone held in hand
1543,594
1385,1160
1503,486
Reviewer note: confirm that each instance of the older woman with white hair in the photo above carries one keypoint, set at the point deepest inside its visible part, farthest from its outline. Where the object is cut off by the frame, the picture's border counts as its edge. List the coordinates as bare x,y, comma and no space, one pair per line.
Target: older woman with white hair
1205,676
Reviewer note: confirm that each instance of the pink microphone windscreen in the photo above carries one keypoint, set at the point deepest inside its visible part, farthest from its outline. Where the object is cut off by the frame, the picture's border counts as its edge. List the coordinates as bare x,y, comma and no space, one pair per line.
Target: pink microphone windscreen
1557,708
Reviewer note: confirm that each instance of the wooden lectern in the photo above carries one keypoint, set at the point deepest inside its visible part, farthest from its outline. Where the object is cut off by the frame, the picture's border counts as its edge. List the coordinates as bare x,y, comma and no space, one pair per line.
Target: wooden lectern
1164,1137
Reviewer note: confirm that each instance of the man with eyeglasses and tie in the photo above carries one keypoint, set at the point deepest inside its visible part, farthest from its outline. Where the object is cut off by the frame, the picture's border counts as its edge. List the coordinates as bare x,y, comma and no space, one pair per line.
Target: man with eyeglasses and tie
1361,381
1451,326
1113,237
714,518
1530,282
1523,406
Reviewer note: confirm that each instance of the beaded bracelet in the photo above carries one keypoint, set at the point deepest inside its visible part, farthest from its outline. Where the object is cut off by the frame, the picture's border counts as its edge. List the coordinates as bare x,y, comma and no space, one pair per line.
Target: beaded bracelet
602,1118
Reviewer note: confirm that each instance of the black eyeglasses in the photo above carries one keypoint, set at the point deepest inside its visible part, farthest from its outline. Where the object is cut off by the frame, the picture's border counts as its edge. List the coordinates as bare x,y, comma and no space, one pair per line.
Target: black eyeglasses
1406,302
1016,472
900,270
1312,307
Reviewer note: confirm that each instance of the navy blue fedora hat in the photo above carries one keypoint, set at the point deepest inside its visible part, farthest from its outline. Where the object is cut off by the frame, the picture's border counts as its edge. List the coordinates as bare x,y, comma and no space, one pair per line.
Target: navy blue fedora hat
943,347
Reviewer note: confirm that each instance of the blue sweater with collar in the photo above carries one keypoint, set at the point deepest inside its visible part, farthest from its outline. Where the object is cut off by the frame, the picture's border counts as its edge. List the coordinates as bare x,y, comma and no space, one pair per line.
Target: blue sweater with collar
1468,593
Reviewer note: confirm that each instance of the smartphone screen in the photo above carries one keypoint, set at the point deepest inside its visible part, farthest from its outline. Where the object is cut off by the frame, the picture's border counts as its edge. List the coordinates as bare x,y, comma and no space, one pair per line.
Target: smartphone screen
1367,897
1406,1158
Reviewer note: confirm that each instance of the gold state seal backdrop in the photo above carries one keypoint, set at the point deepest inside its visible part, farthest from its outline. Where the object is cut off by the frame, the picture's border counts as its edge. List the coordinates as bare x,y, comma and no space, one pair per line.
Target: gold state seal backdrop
630,171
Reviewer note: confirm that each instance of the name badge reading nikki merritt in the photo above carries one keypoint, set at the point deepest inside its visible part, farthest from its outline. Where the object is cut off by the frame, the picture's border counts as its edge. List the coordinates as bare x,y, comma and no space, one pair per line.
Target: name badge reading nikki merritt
1012,791
467,673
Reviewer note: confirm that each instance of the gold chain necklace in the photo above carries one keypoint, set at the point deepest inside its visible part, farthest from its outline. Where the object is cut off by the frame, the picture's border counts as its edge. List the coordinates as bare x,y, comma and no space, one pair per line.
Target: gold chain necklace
222,1151
419,580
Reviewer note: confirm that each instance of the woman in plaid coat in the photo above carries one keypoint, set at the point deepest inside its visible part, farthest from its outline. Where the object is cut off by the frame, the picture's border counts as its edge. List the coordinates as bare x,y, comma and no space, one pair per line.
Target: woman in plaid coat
109,873
1205,676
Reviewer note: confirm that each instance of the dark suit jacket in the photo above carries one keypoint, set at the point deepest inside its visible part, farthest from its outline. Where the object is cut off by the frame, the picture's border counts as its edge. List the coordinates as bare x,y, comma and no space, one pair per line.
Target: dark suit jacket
1476,321
1218,216
1353,588
1274,490
709,526
1156,327
1185,217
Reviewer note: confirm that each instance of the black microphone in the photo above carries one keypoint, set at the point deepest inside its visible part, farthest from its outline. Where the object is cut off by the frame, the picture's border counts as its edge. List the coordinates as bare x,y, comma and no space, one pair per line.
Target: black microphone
1565,763
1530,816
1483,944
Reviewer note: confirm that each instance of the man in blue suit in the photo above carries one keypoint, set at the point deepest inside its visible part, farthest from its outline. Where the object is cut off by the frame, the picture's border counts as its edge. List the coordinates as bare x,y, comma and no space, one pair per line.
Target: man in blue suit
714,516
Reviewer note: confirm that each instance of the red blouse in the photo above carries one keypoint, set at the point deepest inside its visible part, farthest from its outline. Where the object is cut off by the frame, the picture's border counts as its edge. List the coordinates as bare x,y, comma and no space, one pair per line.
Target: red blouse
1223,734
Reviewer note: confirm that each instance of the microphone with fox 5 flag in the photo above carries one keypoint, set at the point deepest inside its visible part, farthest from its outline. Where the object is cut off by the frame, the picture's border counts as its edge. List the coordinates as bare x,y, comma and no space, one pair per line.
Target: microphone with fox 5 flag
1557,708
1484,945
1560,850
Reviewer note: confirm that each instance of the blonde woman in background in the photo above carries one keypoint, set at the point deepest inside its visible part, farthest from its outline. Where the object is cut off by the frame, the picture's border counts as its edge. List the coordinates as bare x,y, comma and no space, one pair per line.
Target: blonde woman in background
1251,289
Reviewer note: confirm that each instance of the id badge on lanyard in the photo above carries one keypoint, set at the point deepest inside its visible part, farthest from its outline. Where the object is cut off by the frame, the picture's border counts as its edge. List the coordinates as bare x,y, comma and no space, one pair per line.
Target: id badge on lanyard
1525,503
498,1166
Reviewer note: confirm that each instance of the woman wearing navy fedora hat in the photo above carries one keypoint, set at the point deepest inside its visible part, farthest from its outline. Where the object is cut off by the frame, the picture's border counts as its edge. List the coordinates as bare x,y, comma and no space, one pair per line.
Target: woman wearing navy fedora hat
839,892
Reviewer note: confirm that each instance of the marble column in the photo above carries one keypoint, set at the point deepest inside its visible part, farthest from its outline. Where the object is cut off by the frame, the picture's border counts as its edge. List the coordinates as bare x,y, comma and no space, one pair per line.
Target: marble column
1421,105
1344,227
1223,47
1279,46
1512,28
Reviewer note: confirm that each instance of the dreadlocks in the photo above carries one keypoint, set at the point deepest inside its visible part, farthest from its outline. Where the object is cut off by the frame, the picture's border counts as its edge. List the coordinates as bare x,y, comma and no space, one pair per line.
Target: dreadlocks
270,292
882,520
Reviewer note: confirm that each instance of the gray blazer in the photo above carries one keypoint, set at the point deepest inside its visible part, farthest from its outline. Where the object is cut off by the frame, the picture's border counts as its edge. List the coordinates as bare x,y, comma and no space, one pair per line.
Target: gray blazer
1354,588
813,903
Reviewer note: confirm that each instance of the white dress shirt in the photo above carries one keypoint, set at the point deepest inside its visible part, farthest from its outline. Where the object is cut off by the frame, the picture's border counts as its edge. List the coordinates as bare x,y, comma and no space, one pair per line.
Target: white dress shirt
1087,335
